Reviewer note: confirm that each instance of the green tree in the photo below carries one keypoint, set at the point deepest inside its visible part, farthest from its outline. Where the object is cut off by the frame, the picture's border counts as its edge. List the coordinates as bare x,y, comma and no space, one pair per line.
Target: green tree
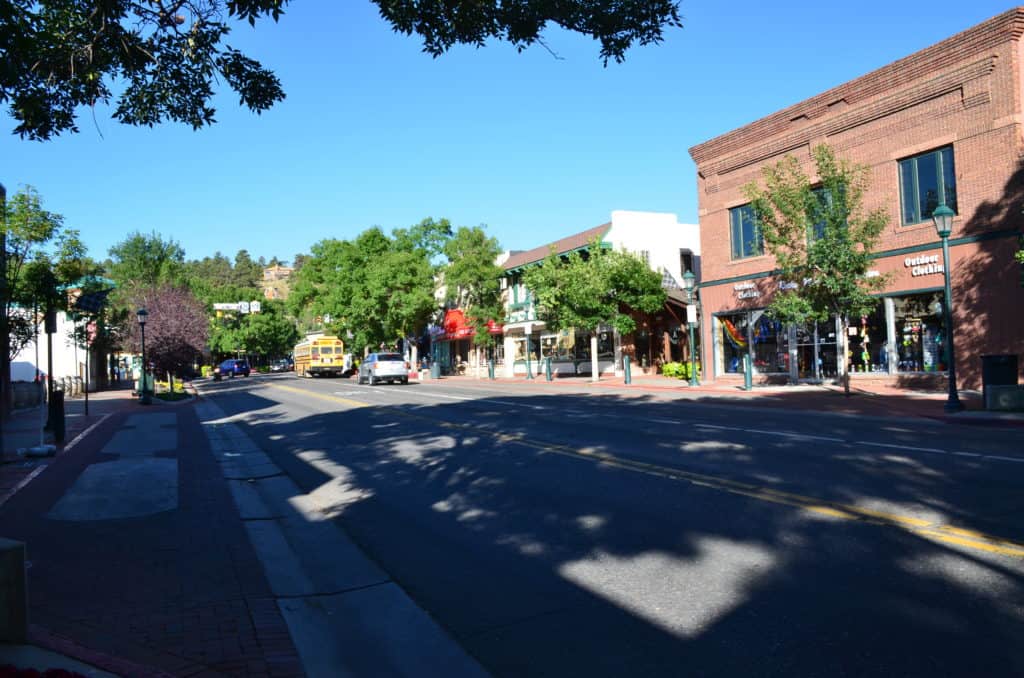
159,61
821,239
42,256
267,334
473,280
248,273
146,261
596,287
376,288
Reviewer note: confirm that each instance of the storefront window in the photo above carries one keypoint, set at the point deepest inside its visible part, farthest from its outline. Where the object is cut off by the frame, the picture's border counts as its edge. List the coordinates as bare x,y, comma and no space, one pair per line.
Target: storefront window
816,350
549,345
520,349
771,344
605,343
868,344
920,332
642,341
734,341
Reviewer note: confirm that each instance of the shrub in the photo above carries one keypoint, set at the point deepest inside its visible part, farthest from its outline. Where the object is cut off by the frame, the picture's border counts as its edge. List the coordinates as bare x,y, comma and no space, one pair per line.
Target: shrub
206,370
678,370
673,370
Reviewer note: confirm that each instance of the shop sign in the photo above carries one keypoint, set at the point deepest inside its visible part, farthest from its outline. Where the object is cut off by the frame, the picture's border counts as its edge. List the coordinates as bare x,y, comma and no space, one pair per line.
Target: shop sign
788,285
923,265
746,290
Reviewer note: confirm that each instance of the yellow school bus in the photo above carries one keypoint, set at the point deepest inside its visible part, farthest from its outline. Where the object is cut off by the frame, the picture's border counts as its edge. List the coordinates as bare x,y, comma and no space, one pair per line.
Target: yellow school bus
322,356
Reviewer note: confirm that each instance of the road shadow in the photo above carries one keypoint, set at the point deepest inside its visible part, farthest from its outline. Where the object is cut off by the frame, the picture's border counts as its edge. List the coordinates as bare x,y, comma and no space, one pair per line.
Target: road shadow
543,556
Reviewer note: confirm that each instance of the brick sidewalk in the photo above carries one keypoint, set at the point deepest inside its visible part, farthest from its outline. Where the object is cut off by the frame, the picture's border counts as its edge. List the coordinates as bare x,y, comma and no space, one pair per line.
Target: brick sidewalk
180,592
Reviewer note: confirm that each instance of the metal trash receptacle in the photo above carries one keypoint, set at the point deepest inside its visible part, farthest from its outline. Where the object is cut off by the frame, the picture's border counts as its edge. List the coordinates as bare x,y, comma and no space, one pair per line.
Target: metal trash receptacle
997,370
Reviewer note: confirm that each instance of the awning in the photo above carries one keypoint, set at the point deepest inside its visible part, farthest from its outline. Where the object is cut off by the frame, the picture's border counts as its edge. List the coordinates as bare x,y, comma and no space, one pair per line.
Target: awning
456,326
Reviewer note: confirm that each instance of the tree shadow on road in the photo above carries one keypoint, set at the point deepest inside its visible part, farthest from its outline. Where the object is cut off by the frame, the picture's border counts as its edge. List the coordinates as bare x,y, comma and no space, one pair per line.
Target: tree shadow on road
551,542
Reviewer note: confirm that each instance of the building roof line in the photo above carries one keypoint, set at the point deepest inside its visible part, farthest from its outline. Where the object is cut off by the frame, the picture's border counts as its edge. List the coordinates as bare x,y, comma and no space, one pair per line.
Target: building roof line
563,246
902,72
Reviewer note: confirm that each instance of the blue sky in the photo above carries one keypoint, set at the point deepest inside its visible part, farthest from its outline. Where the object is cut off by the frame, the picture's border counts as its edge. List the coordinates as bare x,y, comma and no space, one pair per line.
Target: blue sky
374,132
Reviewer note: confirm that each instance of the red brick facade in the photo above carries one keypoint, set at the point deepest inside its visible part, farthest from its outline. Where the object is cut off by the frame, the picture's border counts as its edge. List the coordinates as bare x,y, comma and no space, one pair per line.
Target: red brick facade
965,92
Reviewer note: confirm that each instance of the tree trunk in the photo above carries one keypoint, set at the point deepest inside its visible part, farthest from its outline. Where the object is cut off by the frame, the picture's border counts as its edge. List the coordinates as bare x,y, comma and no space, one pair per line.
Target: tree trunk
477,348
594,374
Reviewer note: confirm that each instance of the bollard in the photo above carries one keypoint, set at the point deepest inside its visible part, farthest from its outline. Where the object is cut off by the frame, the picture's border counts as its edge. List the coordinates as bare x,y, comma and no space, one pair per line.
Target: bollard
56,412
490,369
13,592
748,379
626,370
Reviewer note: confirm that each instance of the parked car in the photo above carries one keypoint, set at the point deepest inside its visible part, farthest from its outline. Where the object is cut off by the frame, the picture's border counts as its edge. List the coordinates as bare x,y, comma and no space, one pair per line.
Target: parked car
282,365
231,368
378,367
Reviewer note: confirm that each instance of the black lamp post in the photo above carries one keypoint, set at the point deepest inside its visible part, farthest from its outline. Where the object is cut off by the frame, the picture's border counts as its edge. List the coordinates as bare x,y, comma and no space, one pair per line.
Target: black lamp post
142,314
943,218
689,286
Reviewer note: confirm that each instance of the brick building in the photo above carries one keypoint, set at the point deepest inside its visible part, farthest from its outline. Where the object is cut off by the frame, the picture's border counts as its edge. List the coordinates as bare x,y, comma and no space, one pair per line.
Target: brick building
944,124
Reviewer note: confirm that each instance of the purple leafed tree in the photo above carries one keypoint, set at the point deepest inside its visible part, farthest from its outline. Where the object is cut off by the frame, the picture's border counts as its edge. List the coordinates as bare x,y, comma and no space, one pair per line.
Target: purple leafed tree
176,328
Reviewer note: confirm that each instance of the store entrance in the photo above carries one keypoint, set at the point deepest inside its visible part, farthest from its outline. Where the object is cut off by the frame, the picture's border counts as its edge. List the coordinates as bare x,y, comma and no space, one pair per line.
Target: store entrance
816,351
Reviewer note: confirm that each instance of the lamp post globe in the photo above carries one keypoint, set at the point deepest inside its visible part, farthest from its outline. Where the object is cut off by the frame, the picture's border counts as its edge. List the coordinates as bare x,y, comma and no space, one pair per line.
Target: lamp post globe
942,216
141,315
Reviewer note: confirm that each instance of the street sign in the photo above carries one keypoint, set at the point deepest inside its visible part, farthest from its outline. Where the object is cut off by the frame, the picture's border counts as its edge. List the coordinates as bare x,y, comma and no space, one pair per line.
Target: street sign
255,306
243,307
232,306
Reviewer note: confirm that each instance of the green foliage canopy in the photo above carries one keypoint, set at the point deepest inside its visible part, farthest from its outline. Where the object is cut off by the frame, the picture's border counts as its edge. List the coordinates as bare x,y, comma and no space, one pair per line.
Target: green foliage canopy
158,61
598,286
473,280
375,288
820,237
43,256
145,262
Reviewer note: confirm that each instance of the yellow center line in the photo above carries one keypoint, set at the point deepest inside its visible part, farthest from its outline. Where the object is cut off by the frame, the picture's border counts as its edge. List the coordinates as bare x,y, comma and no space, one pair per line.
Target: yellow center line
948,534
321,396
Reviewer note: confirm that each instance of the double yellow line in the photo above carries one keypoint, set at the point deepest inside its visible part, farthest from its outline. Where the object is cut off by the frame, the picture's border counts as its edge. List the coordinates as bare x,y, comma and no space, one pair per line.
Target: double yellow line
946,534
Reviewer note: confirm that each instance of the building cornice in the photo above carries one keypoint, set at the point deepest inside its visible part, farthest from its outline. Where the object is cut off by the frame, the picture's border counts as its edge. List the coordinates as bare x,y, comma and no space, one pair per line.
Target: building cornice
857,101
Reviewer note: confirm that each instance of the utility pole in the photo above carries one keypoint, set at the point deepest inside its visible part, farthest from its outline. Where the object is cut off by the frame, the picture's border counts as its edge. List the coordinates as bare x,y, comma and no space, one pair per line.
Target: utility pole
5,336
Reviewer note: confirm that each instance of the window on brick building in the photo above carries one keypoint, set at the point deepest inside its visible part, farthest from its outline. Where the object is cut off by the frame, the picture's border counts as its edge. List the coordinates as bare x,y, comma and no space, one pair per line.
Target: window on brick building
744,233
927,181
816,231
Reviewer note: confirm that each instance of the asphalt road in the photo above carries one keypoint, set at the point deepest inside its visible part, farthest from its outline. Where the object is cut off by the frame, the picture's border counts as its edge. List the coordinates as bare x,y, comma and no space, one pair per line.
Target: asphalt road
610,534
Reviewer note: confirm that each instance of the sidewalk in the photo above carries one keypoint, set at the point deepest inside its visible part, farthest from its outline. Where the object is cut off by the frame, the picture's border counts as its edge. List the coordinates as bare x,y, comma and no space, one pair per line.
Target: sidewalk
138,562
865,399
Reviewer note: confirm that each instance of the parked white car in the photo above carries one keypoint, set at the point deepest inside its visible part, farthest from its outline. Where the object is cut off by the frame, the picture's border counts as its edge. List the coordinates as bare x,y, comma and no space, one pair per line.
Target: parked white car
378,367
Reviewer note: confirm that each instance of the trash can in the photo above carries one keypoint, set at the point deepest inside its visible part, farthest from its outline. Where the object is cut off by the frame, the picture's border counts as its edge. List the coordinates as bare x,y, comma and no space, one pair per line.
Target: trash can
997,370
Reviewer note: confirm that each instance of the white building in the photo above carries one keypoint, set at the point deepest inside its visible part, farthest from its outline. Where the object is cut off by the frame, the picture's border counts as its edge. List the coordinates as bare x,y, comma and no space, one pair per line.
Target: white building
69,361
667,245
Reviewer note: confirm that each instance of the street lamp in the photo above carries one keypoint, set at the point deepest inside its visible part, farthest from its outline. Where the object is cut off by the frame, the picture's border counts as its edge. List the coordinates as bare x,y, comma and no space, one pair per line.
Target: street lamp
141,314
689,285
943,218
